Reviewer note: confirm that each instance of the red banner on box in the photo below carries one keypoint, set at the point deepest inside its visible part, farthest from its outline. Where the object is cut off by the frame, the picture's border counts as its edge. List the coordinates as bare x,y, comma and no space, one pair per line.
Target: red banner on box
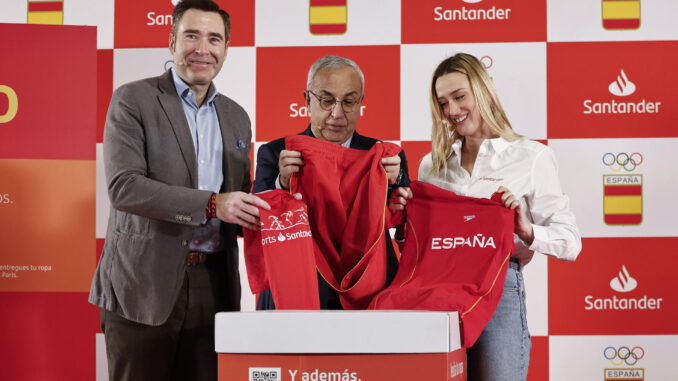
369,366
617,286
612,89
444,21
281,82
147,24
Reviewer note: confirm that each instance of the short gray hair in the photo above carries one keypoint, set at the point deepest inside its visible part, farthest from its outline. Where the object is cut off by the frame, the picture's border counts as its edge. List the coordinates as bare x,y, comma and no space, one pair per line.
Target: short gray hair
334,62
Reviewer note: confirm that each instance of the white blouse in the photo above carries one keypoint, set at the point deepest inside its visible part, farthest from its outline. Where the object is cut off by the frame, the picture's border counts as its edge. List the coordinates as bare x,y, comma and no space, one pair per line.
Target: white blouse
529,170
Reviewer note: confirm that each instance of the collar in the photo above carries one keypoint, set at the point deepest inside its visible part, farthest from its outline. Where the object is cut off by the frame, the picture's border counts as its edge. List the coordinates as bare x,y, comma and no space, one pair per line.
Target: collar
184,91
346,144
499,144
495,145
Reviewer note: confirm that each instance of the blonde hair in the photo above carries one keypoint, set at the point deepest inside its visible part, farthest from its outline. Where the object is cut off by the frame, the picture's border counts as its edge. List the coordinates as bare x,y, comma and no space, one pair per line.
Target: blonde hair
443,133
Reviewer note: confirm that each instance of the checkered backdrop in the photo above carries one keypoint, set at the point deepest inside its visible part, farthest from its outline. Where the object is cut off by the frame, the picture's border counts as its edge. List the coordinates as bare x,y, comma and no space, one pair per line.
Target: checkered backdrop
590,78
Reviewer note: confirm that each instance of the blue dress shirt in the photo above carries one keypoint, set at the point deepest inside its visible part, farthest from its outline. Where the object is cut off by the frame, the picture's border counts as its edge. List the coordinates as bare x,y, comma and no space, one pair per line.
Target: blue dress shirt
209,147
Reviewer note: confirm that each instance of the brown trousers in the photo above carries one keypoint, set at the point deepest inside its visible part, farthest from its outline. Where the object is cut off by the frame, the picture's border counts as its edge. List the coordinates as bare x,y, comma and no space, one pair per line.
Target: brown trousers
180,349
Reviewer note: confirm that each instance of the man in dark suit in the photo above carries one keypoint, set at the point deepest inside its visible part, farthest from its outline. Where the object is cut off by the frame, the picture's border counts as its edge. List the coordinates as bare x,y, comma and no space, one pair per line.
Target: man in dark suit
176,155
333,96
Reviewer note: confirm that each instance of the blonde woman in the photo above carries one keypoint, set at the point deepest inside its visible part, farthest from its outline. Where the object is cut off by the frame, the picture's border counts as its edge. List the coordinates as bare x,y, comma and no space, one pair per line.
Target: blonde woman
475,152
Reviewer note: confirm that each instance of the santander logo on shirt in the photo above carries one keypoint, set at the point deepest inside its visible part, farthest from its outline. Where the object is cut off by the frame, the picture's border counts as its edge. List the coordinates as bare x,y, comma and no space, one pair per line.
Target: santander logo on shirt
290,225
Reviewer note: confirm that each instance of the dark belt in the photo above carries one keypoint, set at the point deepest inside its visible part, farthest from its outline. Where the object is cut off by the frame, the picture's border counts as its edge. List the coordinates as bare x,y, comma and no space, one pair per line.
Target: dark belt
198,257
515,264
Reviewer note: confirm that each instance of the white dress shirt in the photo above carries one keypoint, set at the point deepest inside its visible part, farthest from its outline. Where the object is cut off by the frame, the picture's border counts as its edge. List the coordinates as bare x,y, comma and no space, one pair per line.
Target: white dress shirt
529,170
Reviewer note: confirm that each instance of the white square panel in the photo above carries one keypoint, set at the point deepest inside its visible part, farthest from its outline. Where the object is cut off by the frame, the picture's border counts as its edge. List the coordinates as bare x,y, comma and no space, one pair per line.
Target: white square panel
99,13
286,23
581,20
582,168
103,207
518,70
586,358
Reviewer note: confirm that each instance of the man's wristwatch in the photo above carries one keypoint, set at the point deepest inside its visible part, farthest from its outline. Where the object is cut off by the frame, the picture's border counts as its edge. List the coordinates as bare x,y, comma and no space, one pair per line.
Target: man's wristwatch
399,179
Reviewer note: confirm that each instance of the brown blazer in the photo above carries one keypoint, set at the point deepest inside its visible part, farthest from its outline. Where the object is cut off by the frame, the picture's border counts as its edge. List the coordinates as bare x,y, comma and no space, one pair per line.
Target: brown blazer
152,175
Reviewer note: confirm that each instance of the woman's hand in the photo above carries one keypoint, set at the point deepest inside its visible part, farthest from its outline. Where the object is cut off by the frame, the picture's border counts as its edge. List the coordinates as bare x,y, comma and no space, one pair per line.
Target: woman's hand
523,227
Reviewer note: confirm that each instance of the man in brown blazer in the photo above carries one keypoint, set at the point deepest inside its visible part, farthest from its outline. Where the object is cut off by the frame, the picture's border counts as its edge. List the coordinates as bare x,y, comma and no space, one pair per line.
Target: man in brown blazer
176,155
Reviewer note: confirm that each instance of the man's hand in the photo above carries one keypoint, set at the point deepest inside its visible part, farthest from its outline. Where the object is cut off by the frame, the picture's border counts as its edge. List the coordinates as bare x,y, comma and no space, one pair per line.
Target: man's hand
392,167
240,208
398,199
288,163
523,227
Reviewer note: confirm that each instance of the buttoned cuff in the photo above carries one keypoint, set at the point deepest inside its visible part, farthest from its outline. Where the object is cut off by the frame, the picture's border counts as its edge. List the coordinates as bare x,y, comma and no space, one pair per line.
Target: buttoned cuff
540,236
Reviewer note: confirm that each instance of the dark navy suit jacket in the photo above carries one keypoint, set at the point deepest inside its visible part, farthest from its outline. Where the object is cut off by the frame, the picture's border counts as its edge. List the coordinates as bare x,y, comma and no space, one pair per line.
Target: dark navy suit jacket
266,174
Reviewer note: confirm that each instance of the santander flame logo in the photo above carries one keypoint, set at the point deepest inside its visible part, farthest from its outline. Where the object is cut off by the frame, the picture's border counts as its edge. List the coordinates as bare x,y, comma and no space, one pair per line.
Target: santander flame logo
623,282
622,86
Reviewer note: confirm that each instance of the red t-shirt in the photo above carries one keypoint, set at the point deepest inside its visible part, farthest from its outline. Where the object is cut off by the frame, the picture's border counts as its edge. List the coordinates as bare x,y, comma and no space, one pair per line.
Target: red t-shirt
455,257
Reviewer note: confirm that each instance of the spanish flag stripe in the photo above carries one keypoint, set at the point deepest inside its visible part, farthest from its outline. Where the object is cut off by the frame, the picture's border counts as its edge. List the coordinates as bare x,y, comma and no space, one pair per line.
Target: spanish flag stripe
328,29
622,204
621,10
623,190
328,15
328,2
48,18
623,219
45,6
621,24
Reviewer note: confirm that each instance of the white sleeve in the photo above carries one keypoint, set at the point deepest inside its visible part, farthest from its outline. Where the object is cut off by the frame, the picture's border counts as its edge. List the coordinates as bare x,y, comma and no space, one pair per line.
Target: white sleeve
555,227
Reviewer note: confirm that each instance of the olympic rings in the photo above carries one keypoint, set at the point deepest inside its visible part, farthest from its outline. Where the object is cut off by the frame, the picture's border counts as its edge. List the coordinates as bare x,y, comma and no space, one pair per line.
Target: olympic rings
624,355
622,160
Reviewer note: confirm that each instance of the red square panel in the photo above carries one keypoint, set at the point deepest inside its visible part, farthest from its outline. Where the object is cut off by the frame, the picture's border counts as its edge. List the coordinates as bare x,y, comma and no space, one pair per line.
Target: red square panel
415,151
48,92
539,359
612,89
47,336
104,88
444,21
147,24
617,286
281,81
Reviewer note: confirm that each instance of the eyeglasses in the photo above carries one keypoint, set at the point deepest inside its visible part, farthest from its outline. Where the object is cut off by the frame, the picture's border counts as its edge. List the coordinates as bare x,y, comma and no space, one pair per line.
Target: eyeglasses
327,103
